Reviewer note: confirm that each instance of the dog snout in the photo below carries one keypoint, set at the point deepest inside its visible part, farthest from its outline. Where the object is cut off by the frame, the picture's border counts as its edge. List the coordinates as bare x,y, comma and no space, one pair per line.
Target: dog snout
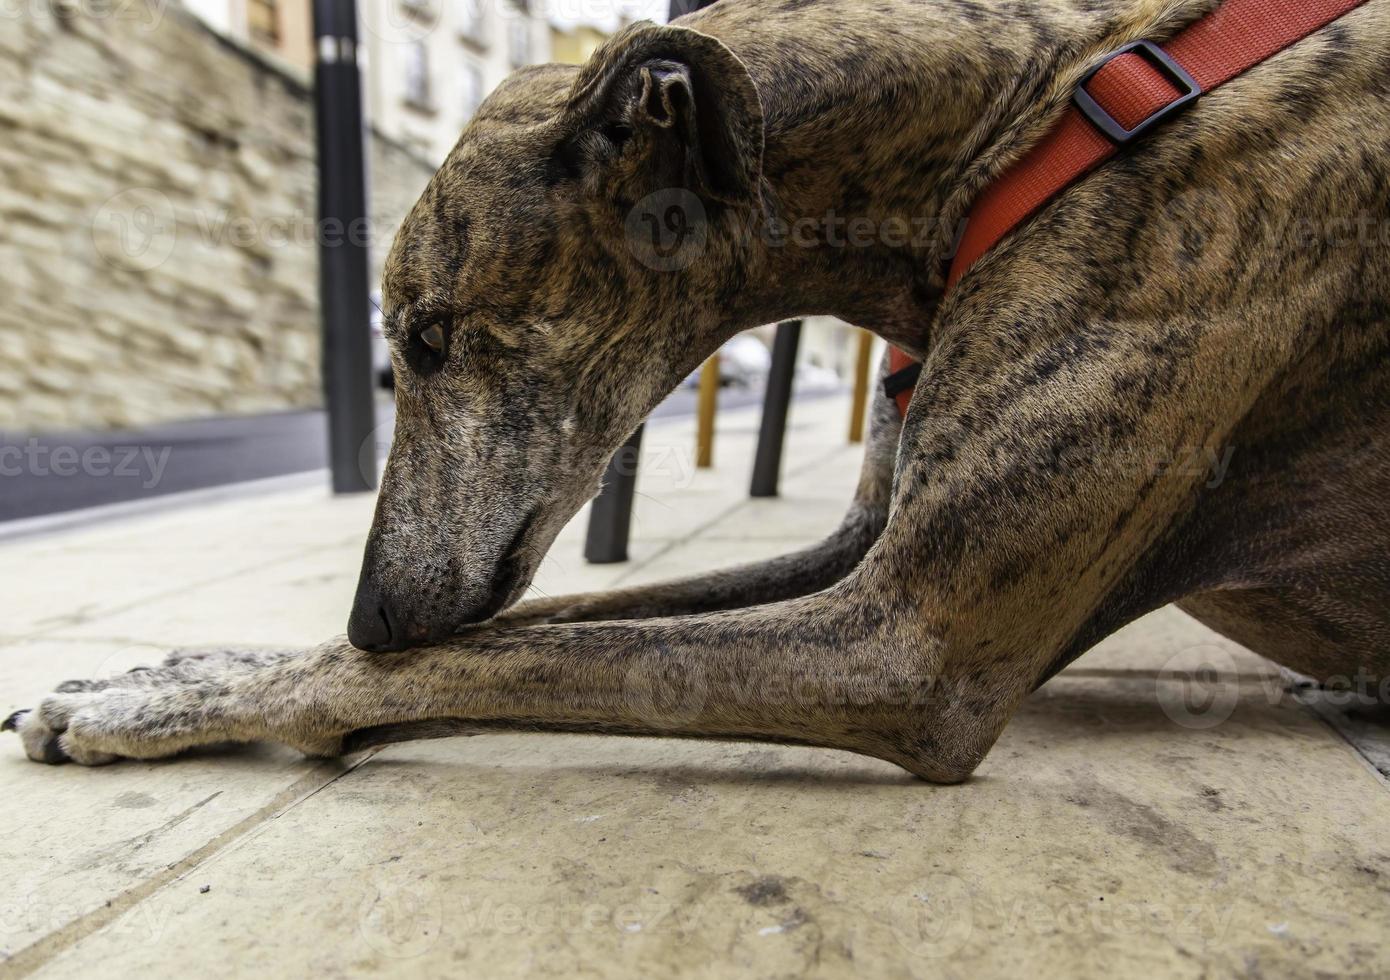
374,625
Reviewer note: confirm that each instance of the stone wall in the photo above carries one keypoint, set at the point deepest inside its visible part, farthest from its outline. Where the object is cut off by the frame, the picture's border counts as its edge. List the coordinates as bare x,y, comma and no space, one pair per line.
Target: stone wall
157,220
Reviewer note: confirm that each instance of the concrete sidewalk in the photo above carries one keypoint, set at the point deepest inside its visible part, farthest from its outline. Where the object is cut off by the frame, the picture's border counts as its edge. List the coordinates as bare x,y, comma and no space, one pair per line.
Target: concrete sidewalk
1131,820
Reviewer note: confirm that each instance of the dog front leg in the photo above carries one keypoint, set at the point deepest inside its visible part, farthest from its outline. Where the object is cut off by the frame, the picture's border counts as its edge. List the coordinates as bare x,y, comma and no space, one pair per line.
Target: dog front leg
785,577
831,670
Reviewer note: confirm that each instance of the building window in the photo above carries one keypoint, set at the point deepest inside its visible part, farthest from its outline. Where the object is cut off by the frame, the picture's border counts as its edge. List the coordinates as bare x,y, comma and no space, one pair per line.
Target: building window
519,39
417,76
472,23
263,21
474,89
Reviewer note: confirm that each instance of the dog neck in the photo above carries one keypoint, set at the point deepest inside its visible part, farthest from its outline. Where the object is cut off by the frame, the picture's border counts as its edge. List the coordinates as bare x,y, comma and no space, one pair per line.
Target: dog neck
882,124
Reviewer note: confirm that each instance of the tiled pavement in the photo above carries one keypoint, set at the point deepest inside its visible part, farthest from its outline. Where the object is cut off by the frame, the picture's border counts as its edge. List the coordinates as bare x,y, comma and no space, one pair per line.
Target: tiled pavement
1129,822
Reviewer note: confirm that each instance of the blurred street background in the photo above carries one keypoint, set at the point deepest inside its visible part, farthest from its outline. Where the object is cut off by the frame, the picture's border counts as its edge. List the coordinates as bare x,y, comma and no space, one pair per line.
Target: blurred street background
161,327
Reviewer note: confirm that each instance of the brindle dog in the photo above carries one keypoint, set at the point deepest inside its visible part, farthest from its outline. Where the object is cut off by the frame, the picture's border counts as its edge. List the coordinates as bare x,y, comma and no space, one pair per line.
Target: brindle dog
1219,288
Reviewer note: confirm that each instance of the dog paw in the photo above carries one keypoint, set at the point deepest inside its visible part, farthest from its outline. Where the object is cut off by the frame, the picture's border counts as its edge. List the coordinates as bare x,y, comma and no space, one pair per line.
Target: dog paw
145,713
194,698
47,734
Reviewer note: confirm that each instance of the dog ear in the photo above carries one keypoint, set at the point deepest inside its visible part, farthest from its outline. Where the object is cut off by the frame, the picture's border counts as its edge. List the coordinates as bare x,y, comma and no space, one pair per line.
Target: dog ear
669,106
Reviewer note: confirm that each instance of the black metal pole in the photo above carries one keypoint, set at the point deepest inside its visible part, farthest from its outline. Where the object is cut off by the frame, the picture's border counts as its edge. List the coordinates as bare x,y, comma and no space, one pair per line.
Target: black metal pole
342,236
610,516
767,464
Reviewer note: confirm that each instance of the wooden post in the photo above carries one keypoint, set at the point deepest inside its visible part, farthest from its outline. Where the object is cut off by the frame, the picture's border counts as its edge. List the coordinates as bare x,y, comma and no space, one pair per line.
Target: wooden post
863,369
708,405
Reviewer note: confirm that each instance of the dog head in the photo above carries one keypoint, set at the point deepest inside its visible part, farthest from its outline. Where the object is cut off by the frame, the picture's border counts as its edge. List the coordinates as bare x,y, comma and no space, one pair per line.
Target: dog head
573,259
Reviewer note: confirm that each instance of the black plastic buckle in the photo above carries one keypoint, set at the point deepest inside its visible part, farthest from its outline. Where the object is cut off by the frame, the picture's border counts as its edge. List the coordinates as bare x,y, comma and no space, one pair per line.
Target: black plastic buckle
1161,60
904,379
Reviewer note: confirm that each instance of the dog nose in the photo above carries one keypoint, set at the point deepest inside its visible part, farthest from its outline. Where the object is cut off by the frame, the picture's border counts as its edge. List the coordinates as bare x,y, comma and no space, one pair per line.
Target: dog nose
373,626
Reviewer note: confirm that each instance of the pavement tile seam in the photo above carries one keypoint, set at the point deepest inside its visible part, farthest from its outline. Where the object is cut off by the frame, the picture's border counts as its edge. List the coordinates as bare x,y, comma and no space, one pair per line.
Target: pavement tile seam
1336,723
33,957
1141,673
154,644
80,619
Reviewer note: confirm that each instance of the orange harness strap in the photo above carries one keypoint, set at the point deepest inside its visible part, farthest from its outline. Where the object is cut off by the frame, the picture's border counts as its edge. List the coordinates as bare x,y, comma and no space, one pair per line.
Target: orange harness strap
1132,89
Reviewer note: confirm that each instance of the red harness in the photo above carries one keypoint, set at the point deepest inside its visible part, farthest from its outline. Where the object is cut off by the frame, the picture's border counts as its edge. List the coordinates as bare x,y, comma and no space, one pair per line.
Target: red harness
1129,92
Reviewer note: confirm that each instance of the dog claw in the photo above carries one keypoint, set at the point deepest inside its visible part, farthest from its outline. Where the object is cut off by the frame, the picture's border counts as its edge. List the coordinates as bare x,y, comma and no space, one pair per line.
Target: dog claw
11,724
52,753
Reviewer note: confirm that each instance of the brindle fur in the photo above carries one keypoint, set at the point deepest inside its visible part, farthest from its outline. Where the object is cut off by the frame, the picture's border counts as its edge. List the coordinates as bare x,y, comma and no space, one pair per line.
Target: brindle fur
1189,296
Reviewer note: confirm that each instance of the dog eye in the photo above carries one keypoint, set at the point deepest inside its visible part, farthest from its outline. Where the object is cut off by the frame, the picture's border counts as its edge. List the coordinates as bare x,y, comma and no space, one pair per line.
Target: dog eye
433,337
617,134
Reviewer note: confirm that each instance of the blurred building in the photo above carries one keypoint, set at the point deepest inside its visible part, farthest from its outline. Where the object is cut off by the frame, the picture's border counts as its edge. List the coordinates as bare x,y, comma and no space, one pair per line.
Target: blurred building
429,63
283,28
160,216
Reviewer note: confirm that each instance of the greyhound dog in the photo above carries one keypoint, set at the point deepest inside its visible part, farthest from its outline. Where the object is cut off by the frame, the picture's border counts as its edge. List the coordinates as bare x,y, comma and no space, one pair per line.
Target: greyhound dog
1220,288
